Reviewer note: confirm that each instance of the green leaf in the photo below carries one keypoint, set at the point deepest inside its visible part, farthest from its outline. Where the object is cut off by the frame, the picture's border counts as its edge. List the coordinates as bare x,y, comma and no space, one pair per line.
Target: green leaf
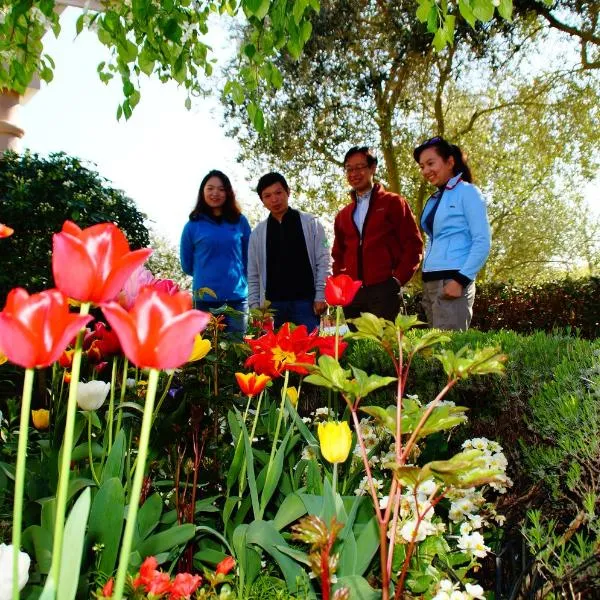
368,542
38,542
466,11
79,24
505,9
250,473
298,11
384,417
106,522
148,518
359,588
291,509
115,460
166,540
265,535
483,9
72,552
423,10
439,39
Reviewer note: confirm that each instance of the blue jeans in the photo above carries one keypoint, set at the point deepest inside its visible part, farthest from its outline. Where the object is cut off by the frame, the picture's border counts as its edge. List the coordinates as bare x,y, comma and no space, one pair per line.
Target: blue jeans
299,312
236,324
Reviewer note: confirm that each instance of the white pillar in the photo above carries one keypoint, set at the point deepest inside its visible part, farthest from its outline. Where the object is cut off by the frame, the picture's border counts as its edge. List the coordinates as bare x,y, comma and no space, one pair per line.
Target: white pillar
10,132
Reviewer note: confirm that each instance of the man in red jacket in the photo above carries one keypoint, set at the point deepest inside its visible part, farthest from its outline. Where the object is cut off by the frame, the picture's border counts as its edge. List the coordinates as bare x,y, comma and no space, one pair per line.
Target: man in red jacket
376,239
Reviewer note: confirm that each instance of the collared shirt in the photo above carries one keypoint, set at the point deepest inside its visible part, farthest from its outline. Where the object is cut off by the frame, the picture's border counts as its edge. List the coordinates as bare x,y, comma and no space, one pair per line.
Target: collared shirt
289,274
362,206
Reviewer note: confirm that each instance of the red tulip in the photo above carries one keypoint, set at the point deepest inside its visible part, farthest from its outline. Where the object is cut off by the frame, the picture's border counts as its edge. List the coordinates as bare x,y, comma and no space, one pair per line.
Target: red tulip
274,353
93,264
146,572
36,329
5,231
225,565
184,585
159,331
340,290
252,384
103,343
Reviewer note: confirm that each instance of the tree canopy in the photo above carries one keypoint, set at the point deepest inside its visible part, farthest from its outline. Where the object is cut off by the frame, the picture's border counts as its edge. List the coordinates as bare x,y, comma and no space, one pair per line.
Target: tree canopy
37,195
371,77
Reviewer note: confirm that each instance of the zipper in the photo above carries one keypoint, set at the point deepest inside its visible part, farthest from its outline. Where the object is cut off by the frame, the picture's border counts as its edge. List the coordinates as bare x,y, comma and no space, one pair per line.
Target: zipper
359,258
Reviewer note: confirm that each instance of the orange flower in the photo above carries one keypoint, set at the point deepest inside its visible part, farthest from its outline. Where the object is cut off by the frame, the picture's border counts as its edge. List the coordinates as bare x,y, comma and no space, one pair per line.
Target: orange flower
107,590
252,384
5,231
184,585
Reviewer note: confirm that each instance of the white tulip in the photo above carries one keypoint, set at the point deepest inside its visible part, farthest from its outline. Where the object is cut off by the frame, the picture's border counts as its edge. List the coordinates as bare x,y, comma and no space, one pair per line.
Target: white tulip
92,395
6,569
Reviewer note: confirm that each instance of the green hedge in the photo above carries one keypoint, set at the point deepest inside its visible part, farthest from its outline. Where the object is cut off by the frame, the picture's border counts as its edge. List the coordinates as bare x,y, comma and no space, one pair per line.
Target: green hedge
569,303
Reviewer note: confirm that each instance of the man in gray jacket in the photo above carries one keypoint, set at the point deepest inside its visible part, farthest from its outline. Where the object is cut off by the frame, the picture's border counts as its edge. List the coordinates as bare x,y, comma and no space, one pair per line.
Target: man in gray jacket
288,258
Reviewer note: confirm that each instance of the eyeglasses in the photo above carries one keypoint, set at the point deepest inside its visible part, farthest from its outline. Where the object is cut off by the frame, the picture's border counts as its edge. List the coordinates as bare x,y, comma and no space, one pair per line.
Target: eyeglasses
355,169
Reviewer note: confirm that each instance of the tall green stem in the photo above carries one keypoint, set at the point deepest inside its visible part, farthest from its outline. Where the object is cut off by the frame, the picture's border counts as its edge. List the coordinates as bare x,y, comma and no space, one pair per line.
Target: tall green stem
279,419
123,390
111,404
65,463
136,487
20,477
90,455
335,482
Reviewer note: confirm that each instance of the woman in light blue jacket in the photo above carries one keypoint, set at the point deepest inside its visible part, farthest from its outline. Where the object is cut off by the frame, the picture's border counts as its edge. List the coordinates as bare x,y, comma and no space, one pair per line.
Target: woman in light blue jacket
458,235
214,249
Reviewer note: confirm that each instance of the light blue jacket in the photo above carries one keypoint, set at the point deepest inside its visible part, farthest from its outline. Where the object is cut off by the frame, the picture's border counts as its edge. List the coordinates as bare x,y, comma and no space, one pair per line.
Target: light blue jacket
318,255
461,236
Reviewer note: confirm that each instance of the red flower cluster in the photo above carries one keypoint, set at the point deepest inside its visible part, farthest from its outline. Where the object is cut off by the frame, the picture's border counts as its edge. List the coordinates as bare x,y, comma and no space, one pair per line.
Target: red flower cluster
326,345
159,583
274,353
101,343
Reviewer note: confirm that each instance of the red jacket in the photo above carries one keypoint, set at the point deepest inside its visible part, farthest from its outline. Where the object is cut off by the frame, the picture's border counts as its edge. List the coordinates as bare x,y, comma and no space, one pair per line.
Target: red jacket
391,245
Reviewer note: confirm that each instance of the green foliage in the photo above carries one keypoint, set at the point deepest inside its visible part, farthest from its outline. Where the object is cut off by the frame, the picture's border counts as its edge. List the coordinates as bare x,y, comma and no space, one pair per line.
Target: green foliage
38,195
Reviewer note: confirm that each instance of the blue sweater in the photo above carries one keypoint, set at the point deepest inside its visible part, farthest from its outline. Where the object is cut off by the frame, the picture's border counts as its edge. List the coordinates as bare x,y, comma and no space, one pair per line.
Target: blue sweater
461,236
216,254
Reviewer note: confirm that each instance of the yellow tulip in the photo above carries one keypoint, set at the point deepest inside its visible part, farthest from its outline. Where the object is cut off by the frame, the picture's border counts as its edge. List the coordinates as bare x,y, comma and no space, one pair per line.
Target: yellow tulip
336,440
292,394
3,358
201,348
41,419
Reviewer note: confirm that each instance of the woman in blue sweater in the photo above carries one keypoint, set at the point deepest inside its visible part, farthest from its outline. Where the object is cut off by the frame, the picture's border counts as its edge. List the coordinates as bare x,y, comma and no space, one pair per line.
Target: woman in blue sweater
458,235
214,249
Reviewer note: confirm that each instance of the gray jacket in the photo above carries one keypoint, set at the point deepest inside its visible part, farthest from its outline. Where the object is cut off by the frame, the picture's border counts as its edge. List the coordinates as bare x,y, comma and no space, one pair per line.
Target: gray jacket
318,255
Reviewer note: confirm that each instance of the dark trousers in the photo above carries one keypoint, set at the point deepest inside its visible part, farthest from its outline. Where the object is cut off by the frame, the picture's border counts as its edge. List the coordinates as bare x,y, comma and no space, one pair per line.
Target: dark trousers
299,312
381,299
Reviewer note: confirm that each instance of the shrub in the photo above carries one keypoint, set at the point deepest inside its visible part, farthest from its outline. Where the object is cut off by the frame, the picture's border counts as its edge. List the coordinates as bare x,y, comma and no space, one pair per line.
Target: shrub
37,195
570,303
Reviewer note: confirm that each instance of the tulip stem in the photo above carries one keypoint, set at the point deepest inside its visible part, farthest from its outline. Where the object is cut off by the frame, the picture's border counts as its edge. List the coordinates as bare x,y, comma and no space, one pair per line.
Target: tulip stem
278,427
111,403
254,423
90,457
67,449
334,482
122,399
20,477
136,487
164,395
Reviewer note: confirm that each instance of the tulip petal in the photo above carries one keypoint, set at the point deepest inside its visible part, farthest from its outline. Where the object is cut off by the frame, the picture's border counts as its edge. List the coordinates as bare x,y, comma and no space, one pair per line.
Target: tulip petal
121,272
123,325
177,338
73,270
22,349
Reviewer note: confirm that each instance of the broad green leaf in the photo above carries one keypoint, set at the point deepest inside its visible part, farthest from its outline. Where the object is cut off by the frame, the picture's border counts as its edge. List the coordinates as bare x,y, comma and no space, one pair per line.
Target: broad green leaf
368,542
72,551
250,473
274,474
483,9
505,9
423,10
148,519
464,6
291,509
37,541
106,522
116,457
384,417
165,540
359,588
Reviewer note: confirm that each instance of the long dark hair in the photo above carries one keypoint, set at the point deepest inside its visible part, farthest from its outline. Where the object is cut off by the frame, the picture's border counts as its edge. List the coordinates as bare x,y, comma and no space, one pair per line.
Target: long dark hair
446,150
231,209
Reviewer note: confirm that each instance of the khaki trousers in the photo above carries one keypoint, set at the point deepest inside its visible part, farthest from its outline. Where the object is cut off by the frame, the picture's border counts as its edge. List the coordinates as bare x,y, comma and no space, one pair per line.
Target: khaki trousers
447,314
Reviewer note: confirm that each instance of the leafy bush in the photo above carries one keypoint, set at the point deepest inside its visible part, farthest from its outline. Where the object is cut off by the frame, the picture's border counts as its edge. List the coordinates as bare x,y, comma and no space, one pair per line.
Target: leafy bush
37,195
570,303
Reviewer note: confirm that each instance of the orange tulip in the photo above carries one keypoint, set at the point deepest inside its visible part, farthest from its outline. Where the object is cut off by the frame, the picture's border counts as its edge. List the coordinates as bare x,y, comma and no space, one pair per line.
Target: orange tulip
225,565
93,264
252,384
159,331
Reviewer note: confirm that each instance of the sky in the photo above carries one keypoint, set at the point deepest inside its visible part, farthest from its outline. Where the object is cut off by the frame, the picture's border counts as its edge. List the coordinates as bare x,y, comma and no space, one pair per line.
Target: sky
158,157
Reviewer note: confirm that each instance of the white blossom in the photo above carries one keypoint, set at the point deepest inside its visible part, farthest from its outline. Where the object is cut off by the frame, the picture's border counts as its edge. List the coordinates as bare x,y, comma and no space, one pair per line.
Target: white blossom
474,544
92,395
6,569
